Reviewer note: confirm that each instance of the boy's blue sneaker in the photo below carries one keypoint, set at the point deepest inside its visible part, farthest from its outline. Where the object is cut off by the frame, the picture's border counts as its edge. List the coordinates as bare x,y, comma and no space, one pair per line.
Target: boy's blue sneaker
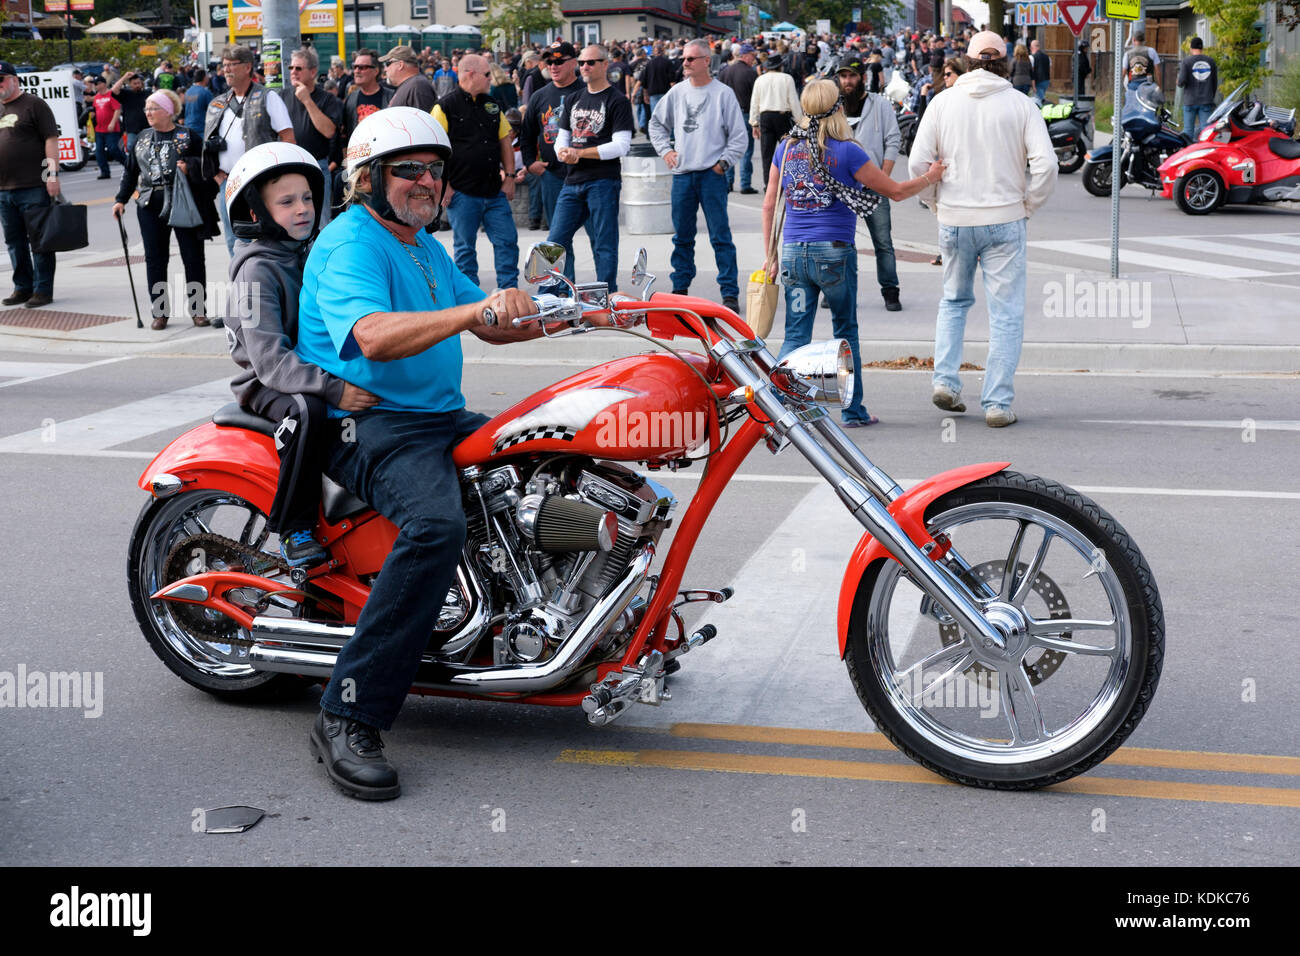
301,550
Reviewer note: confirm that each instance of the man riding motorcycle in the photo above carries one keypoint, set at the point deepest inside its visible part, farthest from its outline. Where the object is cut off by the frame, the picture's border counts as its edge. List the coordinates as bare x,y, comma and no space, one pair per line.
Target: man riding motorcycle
383,306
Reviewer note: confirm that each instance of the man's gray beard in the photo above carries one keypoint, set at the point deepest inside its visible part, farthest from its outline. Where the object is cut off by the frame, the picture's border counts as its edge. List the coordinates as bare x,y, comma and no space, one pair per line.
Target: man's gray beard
408,215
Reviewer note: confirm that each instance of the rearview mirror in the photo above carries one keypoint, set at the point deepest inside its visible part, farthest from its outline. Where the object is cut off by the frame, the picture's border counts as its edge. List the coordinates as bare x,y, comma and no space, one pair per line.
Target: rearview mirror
543,258
639,267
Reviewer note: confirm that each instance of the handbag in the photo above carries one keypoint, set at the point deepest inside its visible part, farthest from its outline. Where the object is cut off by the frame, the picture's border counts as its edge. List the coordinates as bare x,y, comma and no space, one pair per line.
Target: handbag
58,227
763,294
184,212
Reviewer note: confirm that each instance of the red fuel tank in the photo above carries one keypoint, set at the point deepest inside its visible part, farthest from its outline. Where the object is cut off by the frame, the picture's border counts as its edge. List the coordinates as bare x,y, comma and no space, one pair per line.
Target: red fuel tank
644,407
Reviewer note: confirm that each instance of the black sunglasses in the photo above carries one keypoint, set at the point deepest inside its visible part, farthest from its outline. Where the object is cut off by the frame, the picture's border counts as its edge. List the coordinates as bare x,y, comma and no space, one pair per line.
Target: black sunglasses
591,62
692,59
412,170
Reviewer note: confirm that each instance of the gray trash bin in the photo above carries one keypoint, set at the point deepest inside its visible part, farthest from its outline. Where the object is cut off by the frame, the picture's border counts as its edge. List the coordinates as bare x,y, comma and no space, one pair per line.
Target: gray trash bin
646,204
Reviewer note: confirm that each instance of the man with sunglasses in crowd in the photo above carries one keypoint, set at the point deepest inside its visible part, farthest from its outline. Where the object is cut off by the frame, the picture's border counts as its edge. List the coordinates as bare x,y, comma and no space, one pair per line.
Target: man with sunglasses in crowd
542,125
594,132
876,130
700,132
315,113
476,194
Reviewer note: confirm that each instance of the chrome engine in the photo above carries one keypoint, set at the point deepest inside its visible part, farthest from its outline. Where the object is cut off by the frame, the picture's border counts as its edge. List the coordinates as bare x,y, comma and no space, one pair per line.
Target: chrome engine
552,545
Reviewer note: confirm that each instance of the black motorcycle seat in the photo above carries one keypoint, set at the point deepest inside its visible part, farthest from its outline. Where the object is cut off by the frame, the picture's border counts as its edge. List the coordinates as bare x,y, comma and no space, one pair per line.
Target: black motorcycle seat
1286,148
235,415
337,502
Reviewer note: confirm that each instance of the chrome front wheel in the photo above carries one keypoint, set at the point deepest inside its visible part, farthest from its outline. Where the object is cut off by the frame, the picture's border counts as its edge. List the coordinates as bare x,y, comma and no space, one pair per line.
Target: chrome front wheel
1084,639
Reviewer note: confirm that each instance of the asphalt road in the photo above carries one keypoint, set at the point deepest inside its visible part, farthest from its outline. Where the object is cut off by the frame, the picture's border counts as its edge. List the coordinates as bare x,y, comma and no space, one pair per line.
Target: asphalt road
763,755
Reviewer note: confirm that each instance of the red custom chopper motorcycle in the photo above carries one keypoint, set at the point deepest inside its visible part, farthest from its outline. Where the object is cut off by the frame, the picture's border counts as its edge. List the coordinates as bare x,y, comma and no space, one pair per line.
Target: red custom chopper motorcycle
978,583
1245,154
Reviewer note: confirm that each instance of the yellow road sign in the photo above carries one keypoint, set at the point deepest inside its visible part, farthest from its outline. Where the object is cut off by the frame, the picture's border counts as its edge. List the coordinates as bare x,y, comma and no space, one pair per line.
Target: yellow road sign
1123,9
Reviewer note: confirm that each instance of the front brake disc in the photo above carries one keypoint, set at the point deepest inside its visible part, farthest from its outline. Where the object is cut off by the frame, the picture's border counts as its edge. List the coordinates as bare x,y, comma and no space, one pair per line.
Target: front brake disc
990,572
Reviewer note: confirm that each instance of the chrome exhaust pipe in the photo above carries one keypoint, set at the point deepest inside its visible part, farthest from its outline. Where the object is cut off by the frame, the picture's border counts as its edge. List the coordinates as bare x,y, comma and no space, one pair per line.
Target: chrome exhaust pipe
309,648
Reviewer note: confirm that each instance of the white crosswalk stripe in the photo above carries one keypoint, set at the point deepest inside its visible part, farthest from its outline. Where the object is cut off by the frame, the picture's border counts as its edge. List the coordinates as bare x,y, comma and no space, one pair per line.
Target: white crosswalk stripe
1221,256
98,432
20,373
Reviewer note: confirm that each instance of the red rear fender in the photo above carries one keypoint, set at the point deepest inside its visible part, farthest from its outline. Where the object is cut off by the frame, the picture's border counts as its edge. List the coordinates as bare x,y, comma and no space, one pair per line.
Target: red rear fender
232,459
909,512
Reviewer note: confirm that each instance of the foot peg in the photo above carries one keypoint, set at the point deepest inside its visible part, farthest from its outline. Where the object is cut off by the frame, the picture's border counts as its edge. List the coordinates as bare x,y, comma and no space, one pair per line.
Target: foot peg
617,692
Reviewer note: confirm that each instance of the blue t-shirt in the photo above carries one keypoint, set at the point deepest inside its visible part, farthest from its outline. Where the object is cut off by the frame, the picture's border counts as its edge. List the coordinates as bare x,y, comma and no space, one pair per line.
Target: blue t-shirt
197,99
357,267
812,213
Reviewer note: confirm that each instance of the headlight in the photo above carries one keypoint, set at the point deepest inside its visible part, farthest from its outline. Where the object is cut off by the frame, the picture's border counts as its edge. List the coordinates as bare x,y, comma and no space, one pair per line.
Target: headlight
821,372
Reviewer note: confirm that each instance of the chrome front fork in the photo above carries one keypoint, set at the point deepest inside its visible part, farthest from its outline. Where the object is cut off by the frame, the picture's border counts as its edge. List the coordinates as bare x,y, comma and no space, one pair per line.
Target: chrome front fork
864,492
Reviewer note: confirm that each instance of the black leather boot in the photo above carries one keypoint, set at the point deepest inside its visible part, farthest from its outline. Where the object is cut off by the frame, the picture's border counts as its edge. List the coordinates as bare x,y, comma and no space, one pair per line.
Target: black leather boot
354,758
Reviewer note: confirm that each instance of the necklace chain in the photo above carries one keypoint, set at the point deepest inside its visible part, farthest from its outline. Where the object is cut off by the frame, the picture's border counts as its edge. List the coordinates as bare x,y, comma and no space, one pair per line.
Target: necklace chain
429,280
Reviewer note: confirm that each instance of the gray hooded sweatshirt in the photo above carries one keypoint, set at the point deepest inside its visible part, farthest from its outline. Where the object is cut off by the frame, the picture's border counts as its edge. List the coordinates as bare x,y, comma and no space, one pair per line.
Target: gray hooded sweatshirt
262,325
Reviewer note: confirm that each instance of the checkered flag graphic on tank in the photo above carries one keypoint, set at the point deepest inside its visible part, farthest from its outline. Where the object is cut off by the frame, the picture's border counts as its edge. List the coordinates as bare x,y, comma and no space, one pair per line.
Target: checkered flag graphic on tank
562,417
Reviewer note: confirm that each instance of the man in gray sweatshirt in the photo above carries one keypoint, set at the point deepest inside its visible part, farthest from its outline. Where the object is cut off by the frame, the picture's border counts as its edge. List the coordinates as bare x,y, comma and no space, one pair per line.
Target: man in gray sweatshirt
700,132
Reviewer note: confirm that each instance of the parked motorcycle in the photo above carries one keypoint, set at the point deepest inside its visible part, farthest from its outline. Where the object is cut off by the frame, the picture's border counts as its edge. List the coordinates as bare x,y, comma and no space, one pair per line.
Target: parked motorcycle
1245,154
1147,140
980,584
1071,132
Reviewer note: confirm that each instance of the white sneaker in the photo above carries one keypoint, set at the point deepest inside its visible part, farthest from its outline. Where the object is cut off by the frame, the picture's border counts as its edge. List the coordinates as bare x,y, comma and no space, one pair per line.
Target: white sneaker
947,399
999,417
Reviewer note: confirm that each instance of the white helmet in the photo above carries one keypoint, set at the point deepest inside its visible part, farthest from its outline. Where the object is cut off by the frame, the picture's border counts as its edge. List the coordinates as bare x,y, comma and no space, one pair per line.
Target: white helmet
397,129
253,168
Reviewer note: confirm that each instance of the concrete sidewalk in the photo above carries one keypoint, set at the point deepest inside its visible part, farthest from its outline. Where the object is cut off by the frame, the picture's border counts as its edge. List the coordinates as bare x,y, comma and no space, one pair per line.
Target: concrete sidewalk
1075,319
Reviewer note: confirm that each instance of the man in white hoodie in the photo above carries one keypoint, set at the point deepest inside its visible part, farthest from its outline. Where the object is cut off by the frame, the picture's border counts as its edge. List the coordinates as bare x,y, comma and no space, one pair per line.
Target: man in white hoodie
986,133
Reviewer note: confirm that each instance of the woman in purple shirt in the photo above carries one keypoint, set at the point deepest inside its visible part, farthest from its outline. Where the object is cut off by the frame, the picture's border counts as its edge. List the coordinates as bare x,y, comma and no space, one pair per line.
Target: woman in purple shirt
822,182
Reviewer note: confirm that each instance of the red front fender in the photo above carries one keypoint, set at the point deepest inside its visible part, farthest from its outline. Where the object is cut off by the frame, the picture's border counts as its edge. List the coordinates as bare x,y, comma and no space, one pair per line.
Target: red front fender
909,512
232,459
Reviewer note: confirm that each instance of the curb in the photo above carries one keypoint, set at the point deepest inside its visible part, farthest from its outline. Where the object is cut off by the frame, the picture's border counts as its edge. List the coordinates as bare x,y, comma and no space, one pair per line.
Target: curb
593,348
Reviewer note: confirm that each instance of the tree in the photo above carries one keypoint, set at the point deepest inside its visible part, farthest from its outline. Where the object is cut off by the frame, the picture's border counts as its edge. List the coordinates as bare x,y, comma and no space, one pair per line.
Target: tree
509,22
997,15
805,13
1237,42
1288,12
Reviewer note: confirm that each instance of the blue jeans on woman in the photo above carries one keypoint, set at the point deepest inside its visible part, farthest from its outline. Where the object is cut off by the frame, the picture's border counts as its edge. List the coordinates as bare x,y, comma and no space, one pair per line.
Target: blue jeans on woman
812,269
12,203
1001,253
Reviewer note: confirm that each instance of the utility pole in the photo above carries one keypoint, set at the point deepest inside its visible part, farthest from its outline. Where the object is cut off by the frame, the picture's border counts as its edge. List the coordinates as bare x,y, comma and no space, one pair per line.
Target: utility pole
280,38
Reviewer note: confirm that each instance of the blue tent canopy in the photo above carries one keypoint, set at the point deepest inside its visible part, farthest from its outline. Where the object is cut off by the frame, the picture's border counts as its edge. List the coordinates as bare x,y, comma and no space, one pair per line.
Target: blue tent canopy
786,27
764,15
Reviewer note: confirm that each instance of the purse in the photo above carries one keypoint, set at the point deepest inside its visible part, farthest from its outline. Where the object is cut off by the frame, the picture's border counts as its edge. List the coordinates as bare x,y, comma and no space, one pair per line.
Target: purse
763,294
58,227
184,212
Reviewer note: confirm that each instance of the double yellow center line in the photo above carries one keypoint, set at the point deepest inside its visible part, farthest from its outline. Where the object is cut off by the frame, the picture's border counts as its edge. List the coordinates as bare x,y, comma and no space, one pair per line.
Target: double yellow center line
911,773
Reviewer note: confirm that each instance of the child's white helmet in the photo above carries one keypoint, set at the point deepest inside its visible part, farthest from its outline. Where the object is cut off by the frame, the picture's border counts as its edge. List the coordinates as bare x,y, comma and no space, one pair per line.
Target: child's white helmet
254,168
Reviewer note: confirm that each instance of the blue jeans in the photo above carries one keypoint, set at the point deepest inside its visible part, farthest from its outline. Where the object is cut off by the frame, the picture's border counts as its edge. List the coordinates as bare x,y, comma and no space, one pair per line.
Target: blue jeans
746,166
466,213
707,189
880,227
810,269
642,115
225,218
594,203
1195,118
12,203
108,146
1040,90
536,208
399,462
1001,254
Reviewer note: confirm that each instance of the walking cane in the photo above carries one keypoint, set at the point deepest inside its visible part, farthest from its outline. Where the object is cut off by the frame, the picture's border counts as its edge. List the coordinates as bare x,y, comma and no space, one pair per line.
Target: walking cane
121,227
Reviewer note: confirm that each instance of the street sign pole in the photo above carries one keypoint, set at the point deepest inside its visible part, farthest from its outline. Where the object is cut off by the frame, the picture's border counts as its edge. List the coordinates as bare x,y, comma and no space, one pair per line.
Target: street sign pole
1116,140
1117,11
